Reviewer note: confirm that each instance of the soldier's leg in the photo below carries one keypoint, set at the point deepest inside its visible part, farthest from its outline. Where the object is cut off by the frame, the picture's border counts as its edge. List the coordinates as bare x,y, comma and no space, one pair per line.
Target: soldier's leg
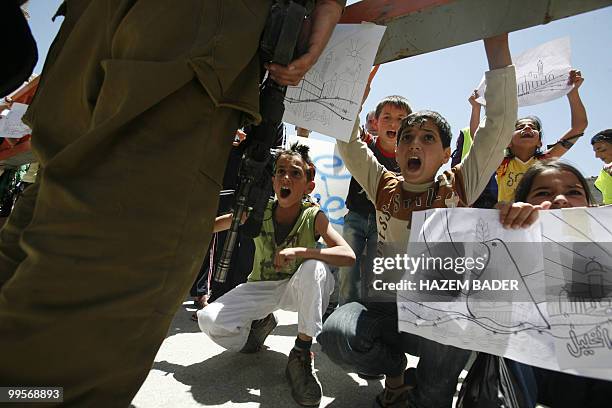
110,257
11,253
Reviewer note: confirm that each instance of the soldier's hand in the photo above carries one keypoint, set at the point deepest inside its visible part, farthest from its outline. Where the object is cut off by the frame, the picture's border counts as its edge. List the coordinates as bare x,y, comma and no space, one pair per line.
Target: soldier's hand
325,16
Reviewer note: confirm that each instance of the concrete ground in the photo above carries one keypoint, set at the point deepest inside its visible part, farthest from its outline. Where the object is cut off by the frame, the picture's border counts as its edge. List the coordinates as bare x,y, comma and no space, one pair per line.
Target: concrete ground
192,371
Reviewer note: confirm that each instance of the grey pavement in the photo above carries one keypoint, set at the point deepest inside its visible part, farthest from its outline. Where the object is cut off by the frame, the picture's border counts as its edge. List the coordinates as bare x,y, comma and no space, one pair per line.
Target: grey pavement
192,371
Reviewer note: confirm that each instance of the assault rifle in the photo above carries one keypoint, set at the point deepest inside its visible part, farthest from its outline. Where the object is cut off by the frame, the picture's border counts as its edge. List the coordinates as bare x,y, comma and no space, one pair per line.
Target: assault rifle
278,44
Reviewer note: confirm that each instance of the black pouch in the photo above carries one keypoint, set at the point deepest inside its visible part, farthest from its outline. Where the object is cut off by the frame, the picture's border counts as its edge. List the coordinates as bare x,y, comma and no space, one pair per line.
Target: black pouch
490,384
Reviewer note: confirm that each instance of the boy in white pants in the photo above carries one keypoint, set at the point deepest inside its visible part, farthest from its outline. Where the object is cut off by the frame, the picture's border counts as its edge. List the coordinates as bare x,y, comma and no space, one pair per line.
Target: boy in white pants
289,273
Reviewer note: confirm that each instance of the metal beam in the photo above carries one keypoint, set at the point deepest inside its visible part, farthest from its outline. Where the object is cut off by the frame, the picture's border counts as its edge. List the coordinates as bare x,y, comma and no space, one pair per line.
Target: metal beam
420,26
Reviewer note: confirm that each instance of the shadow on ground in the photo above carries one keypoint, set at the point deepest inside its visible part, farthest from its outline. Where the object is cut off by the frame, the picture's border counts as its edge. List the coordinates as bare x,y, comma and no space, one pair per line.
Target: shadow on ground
260,378
289,330
230,377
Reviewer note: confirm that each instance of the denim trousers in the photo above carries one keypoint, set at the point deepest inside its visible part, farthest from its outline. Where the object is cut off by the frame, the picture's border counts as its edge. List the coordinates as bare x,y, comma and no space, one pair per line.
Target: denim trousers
360,233
366,339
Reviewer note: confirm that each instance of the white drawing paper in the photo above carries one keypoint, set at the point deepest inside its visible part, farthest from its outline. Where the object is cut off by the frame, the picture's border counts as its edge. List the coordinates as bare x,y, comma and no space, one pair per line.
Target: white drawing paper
11,125
578,276
542,73
561,318
328,98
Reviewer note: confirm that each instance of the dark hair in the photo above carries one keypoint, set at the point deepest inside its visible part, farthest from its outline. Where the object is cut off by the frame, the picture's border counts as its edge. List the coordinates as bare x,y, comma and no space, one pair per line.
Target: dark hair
538,124
603,136
393,100
524,186
302,151
418,118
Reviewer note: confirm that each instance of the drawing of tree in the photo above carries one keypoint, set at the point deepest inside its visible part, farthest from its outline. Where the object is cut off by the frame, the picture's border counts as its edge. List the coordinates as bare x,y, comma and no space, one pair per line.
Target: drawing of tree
482,231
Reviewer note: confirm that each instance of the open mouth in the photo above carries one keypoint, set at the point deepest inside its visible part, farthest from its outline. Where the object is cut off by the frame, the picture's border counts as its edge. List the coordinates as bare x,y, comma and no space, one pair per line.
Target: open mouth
527,135
414,163
285,192
391,134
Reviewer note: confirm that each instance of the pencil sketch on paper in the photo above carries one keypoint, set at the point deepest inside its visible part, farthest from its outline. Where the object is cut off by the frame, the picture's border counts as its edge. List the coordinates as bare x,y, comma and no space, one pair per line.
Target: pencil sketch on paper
328,99
560,316
540,82
542,73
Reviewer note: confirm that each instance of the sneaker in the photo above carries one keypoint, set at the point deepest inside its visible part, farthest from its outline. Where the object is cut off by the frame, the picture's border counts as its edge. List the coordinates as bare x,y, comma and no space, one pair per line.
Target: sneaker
260,329
305,386
393,397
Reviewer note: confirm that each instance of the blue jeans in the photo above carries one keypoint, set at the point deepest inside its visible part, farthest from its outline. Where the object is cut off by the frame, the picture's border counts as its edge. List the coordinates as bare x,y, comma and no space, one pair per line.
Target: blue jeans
360,233
367,340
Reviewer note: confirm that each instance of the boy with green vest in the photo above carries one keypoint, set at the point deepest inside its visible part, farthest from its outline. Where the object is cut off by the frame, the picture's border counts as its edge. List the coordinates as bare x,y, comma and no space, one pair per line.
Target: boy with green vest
288,273
602,146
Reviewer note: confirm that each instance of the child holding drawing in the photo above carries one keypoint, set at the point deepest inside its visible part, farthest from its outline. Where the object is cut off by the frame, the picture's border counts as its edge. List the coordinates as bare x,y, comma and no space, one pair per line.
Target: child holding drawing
525,147
552,184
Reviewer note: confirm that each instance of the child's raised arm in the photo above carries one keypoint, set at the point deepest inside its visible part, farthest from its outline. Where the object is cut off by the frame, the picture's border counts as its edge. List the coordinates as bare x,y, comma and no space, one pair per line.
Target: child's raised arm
337,253
475,115
578,115
495,130
498,51
358,158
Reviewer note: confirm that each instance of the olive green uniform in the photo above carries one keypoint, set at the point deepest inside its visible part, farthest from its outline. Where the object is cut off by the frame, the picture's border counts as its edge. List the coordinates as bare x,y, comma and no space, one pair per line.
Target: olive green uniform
132,124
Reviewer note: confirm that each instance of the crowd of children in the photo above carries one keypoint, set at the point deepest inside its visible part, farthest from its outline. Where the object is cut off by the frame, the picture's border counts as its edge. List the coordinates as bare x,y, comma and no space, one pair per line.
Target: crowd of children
395,161
394,174
93,257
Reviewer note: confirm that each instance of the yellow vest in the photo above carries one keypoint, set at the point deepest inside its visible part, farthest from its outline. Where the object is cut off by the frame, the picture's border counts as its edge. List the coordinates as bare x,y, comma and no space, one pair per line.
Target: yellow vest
467,142
604,184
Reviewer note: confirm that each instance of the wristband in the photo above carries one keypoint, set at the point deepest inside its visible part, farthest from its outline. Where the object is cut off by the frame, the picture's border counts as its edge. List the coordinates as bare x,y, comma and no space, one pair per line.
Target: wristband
566,143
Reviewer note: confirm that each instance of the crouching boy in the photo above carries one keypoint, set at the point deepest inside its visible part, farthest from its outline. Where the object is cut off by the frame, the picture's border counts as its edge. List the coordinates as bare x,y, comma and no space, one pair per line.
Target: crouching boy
365,337
288,273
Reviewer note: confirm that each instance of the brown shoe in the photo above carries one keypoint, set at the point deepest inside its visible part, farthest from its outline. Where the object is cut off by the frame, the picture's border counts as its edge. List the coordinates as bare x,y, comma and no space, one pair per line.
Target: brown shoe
305,386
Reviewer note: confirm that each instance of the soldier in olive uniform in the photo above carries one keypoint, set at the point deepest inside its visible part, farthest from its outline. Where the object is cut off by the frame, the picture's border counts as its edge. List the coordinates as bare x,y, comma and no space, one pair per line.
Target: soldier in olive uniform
132,124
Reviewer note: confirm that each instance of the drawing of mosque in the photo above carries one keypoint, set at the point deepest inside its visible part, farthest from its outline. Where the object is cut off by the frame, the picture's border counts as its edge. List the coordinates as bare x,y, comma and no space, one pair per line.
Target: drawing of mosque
539,81
585,292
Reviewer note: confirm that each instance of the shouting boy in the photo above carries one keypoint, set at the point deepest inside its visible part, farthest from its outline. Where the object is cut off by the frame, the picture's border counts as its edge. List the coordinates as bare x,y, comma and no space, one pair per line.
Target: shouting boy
366,337
288,273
